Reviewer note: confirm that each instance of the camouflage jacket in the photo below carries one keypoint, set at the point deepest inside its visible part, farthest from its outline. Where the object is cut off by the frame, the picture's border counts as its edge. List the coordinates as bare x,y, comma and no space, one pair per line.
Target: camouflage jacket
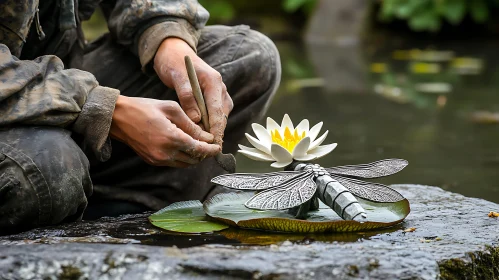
35,39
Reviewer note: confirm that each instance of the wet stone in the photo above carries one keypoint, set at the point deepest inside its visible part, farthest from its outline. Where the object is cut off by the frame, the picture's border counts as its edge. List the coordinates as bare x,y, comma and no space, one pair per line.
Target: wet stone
446,235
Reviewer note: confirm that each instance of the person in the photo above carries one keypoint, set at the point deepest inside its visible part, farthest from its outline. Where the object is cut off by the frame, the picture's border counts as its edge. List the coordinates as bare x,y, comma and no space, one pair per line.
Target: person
112,127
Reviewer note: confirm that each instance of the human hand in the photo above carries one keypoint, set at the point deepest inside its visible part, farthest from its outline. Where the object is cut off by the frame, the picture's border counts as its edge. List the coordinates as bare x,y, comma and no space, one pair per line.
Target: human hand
170,66
160,132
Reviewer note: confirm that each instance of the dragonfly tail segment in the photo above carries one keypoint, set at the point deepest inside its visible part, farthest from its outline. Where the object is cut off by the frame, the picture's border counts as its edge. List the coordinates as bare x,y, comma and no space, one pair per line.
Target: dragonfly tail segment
336,196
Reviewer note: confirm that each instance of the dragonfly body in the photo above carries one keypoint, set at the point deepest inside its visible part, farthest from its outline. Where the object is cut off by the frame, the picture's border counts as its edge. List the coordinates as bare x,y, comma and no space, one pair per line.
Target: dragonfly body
334,194
337,187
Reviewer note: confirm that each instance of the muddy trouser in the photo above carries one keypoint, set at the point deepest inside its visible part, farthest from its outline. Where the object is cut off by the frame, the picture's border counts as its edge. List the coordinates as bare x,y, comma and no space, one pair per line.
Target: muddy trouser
47,178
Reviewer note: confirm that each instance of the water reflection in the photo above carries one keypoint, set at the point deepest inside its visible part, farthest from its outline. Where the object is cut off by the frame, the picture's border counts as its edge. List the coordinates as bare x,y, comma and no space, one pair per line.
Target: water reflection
240,236
440,114
255,237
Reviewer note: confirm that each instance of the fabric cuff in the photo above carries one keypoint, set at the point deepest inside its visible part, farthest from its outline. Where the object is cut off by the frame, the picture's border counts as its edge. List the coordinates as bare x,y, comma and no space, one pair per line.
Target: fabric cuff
94,121
151,39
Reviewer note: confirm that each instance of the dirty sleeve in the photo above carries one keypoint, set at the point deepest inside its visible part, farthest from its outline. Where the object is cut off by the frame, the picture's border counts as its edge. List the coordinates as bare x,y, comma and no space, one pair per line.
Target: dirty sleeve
42,92
143,25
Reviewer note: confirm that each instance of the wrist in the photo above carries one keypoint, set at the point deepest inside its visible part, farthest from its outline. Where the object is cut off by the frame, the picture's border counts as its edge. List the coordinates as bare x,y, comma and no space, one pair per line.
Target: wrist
118,118
172,46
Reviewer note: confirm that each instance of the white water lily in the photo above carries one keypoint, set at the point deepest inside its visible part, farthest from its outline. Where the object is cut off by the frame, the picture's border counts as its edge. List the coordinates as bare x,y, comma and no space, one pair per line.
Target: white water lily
285,143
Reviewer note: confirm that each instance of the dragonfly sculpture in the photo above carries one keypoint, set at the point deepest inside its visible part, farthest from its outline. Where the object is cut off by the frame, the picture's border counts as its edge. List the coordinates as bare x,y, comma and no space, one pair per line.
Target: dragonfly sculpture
300,188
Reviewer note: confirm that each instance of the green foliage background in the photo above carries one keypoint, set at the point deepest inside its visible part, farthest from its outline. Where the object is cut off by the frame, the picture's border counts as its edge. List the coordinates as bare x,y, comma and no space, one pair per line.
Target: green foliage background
428,15
421,15
225,10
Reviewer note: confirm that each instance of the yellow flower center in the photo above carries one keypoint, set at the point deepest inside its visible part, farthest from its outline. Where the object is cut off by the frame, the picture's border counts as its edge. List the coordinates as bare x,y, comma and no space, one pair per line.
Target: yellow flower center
289,140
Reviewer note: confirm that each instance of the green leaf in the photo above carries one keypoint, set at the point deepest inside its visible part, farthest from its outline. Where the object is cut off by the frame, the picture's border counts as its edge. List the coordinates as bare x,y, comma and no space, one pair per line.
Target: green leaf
229,208
453,10
185,216
479,11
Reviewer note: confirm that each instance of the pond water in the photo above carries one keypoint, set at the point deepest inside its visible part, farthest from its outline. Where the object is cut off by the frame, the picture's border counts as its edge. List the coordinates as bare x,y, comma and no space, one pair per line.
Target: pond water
438,109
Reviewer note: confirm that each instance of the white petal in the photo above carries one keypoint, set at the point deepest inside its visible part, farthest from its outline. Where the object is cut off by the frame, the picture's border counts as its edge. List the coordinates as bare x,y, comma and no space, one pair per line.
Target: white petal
280,154
271,125
279,164
319,141
322,150
314,131
260,156
242,147
286,122
305,158
302,147
257,144
262,134
303,126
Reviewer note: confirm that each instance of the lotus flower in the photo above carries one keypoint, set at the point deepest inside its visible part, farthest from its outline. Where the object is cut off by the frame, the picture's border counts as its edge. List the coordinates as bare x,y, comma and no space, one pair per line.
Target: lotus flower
285,143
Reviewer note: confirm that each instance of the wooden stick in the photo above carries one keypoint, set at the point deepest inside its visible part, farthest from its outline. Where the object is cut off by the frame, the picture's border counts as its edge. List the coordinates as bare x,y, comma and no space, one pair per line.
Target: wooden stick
196,91
226,161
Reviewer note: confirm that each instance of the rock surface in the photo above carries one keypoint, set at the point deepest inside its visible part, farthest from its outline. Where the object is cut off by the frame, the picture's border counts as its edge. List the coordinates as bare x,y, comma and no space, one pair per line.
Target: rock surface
453,239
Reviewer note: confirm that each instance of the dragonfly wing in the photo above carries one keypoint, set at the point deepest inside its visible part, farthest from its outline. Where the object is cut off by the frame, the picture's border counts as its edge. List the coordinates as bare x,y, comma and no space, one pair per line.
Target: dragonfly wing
288,194
249,181
369,191
375,169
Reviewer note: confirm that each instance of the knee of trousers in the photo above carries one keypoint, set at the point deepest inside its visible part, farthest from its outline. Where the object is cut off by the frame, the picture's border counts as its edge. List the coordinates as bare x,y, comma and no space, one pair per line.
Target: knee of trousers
44,178
262,68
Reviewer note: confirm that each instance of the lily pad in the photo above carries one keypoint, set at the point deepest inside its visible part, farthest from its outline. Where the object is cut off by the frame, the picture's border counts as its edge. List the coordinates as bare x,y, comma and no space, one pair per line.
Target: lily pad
229,208
185,216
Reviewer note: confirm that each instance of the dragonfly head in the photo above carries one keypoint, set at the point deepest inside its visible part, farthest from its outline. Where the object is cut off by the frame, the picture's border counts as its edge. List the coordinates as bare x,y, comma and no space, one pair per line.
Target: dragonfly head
316,169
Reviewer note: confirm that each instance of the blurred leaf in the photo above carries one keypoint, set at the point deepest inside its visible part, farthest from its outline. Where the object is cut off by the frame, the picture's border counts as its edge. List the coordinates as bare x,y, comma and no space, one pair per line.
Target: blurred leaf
485,117
424,68
389,79
379,67
293,5
408,8
309,6
404,11
96,26
425,21
296,69
219,9
453,10
479,11
387,10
